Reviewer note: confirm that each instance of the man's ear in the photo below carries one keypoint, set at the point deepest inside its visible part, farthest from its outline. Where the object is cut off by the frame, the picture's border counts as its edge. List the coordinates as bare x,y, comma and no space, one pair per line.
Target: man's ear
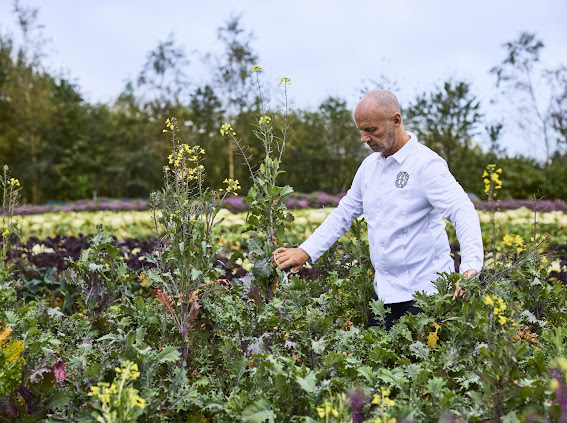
397,120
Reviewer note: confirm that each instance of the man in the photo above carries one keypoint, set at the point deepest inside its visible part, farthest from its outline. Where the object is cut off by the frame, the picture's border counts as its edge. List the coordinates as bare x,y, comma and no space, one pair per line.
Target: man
403,189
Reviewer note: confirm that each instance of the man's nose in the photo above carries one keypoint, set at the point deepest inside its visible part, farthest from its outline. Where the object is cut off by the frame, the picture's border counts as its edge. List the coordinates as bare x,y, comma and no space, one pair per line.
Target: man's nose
365,138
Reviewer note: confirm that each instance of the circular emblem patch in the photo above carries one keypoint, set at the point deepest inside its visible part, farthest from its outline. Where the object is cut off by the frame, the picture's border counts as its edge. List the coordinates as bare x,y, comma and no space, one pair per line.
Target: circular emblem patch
402,179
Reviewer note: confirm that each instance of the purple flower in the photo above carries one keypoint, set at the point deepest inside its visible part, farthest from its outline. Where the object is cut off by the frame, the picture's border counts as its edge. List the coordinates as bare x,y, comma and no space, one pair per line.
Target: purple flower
302,204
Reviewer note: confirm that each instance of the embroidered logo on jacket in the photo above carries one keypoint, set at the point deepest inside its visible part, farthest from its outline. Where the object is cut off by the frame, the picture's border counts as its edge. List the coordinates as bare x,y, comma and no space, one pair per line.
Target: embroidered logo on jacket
402,179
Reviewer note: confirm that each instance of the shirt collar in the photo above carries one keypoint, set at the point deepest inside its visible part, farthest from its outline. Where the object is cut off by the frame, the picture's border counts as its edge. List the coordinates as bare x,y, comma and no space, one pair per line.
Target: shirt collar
404,152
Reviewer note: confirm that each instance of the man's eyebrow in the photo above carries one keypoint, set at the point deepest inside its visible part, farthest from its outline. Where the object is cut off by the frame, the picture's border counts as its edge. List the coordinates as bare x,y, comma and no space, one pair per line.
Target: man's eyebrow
369,129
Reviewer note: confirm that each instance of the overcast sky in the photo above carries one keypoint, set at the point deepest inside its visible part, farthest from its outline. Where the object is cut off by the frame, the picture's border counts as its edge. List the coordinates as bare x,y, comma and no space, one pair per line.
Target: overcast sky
326,47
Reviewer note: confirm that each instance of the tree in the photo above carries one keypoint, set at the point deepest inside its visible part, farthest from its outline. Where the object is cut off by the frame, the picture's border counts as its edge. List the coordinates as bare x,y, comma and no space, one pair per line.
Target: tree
163,82
233,78
321,140
28,100
538,92
446,120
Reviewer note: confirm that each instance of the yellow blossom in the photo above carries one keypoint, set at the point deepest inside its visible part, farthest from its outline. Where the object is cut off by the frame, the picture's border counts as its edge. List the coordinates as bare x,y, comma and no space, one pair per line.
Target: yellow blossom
256,68
138,401
488,300
377,399
321,412
264,120
388,402
285,80
226,129
502,319
95,390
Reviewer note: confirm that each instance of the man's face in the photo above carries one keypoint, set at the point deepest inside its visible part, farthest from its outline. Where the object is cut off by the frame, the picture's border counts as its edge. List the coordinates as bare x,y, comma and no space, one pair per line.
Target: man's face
376,131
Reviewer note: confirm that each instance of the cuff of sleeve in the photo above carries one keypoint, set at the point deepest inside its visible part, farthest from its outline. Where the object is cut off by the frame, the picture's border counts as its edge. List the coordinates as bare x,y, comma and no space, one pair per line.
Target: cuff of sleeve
475,264
309,251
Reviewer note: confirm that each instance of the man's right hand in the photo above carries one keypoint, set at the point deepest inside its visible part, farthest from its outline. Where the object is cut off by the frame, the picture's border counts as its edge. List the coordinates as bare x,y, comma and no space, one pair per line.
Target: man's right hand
289,257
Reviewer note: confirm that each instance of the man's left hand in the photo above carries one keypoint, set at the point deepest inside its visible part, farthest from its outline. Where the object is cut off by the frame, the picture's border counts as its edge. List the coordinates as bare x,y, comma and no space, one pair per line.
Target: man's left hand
460,292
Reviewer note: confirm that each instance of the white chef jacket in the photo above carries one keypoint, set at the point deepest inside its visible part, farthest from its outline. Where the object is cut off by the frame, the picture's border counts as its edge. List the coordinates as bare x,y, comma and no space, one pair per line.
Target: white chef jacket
404,198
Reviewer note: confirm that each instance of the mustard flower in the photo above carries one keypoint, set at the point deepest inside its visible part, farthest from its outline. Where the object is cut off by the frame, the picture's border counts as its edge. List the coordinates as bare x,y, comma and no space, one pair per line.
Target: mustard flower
226,129
256,69
285,80
264,119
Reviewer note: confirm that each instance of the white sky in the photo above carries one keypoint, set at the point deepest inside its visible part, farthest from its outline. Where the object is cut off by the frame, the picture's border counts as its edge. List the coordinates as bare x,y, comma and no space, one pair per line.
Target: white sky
327,47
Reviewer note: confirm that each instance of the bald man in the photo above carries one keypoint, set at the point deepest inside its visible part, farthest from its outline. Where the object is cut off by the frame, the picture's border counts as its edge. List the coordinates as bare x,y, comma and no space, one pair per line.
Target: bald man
404,190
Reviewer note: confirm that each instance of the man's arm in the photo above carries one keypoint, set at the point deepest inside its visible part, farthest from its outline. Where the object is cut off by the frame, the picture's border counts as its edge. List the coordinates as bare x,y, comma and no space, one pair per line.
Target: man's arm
445,194
334,226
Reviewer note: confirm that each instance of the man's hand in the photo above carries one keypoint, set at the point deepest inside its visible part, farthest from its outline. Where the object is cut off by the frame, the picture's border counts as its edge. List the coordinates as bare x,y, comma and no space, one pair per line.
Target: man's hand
289,257
460,292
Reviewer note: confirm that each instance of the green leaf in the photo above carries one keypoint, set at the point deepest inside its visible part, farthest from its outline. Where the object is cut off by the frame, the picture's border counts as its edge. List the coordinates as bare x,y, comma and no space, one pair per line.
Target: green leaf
367,373
258,412
195,273
57,401
168,354
11,317
319,346
307,383
419,350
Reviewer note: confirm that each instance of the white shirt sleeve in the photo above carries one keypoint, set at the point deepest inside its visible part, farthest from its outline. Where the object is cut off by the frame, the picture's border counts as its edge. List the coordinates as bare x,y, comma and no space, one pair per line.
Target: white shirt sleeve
447,196
337,223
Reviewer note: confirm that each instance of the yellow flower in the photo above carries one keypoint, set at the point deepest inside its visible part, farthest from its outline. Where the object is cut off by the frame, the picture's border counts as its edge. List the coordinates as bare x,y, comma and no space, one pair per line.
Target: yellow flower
321,412
554,384
488,300
388,402
285,80
264,120
95,390
138,401
256,68
502,319
377,399
335,412
226,129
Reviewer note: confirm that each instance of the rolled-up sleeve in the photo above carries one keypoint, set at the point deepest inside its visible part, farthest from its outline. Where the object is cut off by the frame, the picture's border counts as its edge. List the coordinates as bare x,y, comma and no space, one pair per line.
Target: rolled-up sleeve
337,223
447,196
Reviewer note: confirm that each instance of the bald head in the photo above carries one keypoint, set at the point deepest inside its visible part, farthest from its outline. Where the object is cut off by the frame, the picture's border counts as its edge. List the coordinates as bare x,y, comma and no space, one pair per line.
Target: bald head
381,102
378,118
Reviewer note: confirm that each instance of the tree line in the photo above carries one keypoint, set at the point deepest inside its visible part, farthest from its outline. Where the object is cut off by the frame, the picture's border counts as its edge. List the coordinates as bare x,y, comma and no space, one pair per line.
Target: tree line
62,147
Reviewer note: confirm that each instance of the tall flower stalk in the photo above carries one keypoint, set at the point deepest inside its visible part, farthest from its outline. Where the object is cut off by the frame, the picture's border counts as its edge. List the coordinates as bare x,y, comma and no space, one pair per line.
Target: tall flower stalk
268,211
492,183
10,225
185,221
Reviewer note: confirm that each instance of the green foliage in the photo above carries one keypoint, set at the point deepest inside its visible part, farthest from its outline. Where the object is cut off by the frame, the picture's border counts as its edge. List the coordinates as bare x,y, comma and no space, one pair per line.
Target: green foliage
267,213
101,275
